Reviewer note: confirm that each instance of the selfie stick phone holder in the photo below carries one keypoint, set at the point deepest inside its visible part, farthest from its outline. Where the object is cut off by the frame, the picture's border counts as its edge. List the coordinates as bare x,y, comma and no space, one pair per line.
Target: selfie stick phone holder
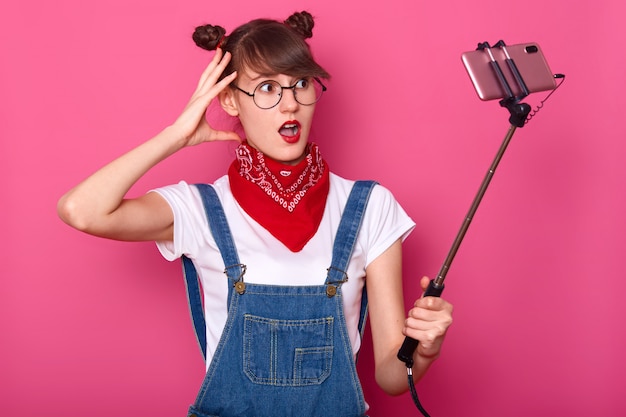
518,116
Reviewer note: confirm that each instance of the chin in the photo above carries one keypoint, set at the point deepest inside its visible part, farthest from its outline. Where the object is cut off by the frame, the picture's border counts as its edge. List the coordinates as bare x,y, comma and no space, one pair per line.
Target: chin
292,155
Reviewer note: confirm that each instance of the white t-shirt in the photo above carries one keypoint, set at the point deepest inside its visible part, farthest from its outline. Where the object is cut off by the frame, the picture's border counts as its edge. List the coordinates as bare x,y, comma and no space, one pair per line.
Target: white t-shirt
270,262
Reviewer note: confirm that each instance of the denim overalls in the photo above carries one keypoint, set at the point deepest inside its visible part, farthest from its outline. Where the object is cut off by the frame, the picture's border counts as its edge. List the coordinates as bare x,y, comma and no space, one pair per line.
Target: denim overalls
284,350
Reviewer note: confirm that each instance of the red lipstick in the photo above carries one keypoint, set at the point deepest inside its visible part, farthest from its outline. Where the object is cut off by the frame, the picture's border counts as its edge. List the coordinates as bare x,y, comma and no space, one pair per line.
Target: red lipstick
290,131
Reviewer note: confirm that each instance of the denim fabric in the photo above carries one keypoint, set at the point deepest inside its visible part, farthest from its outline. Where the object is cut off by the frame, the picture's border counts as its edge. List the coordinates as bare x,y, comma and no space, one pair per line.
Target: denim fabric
285,350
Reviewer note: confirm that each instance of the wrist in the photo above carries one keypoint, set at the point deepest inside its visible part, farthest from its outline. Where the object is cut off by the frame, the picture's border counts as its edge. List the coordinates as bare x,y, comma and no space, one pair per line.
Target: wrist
172,139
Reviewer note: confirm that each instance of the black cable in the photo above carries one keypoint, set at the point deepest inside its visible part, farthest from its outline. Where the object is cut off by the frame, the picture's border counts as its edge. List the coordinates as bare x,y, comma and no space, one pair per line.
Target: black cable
414,392
540,105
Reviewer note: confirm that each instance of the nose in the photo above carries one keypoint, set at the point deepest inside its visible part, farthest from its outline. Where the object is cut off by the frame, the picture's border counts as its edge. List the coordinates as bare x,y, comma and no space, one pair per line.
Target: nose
288,101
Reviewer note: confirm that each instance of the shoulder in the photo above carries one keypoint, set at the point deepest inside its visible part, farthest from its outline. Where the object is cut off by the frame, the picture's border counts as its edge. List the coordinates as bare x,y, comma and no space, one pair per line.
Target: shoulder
340,189
186,201
179,196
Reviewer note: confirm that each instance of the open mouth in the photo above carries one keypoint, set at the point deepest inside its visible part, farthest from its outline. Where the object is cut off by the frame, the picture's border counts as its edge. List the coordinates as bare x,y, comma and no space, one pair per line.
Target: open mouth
289,129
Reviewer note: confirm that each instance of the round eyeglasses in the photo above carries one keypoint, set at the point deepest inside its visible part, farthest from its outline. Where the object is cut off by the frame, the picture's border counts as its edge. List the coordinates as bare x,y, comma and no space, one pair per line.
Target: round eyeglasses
306,91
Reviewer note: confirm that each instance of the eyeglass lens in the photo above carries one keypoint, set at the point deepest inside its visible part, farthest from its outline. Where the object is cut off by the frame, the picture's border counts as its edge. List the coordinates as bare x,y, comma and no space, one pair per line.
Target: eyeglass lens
306,91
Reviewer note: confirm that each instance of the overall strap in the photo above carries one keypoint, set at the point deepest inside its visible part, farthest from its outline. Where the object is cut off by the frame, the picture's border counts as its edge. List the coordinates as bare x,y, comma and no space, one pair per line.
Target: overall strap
226,245
345,240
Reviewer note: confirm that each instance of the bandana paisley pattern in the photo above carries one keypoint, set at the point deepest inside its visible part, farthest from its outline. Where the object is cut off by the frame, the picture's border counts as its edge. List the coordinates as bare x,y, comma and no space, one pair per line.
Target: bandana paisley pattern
253,167
286,200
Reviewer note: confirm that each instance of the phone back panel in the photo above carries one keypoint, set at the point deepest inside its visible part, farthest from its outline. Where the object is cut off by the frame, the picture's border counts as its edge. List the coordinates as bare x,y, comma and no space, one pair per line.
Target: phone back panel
529,60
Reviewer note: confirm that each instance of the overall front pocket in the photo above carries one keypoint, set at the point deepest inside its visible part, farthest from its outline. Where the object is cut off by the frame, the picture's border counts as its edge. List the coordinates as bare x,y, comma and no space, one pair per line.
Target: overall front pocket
287,352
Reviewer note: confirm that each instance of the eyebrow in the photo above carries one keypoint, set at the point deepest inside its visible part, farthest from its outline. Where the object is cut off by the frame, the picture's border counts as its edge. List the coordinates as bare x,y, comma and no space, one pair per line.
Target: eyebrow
262,78
272,77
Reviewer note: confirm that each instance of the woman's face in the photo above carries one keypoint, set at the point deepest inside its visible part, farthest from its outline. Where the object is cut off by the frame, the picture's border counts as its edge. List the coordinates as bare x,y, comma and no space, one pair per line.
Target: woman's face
281,132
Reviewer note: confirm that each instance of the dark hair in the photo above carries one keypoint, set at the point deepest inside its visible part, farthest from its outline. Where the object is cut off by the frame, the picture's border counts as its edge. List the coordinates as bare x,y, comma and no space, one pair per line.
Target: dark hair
266,46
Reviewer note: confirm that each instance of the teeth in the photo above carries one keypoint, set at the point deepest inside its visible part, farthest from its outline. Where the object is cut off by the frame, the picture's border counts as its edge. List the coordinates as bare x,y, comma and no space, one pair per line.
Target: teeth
289,129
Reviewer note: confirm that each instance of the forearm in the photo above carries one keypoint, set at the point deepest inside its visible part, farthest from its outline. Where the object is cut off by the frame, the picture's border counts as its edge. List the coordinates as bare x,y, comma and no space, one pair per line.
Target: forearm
391,374
98,196
97,205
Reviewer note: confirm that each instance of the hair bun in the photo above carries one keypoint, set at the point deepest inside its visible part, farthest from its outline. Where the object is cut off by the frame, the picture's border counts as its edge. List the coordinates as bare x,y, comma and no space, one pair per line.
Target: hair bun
302,22
208,37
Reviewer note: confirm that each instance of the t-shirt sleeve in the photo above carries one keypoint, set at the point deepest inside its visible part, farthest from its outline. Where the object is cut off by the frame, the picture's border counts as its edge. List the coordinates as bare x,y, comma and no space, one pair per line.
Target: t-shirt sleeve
190,223
385,222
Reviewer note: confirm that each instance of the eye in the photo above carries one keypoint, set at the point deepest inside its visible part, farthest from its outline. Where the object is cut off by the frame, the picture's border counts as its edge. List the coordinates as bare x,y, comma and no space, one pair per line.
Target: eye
302,84
268,88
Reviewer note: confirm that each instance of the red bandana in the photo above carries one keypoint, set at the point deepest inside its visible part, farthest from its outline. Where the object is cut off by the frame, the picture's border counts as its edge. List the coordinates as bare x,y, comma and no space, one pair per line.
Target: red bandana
286,200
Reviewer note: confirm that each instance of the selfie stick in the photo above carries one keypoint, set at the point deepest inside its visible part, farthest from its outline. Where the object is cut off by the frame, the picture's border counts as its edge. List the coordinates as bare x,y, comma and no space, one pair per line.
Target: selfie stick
518,114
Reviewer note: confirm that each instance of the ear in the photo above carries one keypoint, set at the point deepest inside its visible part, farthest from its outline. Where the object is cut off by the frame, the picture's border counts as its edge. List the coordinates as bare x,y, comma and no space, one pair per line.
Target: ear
228,101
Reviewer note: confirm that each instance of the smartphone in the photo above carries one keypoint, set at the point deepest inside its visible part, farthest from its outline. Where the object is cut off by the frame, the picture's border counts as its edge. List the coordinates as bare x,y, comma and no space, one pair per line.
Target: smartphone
528,59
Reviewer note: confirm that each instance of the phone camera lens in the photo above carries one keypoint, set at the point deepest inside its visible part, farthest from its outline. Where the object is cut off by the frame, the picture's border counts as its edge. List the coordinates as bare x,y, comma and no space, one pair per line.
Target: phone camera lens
531,49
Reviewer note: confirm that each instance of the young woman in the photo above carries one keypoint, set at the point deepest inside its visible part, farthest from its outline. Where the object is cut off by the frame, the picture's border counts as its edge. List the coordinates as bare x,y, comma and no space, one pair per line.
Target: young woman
282,287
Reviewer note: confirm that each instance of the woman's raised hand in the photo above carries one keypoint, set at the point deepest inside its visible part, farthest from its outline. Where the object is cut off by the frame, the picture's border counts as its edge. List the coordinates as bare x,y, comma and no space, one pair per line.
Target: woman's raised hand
191,125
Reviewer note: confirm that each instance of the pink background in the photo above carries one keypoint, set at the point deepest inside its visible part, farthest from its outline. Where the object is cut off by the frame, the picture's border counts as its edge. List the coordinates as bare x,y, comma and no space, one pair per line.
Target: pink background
101,328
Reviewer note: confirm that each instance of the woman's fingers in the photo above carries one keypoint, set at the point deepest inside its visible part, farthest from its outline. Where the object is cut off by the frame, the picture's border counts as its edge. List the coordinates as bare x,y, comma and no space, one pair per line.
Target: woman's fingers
213,71
217,58
192,120
428,322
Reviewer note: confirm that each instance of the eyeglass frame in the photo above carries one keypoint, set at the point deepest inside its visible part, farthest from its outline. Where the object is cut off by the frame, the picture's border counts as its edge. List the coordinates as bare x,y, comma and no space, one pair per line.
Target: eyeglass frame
292,88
